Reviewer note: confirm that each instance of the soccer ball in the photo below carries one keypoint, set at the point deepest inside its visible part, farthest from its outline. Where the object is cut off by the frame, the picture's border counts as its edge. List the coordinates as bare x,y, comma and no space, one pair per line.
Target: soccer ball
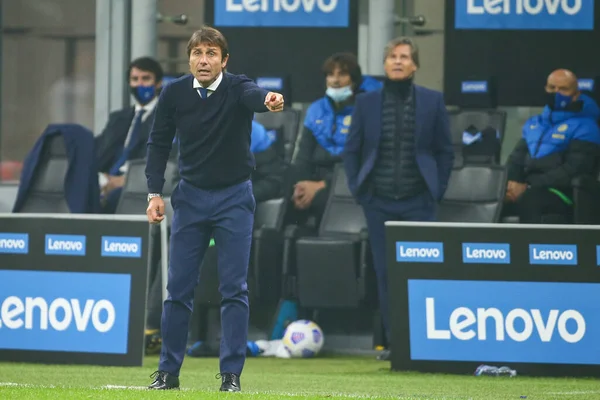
303,339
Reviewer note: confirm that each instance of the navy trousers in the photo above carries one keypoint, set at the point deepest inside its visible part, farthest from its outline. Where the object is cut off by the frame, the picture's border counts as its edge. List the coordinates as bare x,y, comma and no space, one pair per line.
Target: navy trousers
377,211
228,215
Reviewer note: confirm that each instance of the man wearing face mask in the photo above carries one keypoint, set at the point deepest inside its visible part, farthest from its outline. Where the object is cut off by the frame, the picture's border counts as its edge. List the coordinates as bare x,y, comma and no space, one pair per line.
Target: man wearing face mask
558,145
320,144
126,133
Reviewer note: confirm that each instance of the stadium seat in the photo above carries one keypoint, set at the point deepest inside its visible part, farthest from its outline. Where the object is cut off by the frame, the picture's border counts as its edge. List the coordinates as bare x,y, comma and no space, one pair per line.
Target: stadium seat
481,150
134,199
337,253
586,196
475,194
286,124
47,191
8,195
267,251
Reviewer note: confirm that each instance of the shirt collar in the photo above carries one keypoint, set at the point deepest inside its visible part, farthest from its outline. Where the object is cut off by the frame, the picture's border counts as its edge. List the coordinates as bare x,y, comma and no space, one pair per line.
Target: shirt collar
147,107
213,86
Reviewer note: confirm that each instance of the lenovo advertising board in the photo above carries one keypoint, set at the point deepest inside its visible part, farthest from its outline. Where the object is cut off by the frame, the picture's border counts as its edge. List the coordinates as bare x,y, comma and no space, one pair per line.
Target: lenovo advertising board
73,288
525,14
525,296
282,13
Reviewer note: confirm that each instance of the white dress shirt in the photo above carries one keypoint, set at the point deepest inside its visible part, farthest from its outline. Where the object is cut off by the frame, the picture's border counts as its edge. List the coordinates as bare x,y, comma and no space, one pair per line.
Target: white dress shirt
147,111
213,86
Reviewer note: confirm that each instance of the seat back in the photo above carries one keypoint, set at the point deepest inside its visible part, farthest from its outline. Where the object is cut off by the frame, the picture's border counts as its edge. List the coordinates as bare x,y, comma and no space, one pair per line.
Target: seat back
475,194
133,199
343,216
8,195
269,214
46,192
286,124
462,120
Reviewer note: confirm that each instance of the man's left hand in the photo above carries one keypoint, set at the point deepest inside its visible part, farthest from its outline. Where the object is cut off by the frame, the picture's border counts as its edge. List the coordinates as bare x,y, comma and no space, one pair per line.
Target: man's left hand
274,102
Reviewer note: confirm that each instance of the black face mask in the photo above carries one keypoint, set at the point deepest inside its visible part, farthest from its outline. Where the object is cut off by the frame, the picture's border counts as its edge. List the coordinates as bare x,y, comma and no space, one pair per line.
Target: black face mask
143,94
560,102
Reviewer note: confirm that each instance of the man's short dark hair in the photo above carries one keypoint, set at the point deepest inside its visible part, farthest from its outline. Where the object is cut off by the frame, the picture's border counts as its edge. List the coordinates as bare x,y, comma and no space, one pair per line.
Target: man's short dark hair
346,62
392,44
209,35
147,64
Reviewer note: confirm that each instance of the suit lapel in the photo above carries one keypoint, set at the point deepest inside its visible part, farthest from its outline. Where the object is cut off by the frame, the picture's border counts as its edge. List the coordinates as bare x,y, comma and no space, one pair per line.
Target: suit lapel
420,112
375,113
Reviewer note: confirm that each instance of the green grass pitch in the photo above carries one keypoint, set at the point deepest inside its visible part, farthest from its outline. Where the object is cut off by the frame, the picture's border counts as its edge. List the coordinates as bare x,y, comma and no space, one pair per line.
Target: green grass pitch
276,379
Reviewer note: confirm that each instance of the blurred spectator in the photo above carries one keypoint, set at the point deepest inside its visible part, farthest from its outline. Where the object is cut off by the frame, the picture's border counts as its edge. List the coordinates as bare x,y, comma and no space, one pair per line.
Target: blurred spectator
326,126
267,178
558,145
126,133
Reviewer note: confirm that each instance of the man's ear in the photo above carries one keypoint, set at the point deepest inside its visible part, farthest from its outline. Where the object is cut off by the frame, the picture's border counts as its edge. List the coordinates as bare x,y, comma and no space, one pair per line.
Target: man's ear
224,62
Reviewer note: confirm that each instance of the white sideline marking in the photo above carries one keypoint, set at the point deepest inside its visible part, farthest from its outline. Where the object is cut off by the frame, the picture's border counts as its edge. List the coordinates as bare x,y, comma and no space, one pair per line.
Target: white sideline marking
345,395
119,387
576,392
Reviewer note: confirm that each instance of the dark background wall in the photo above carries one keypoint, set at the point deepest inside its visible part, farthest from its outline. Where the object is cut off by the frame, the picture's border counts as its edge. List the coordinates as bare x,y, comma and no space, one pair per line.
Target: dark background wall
518,60
297,52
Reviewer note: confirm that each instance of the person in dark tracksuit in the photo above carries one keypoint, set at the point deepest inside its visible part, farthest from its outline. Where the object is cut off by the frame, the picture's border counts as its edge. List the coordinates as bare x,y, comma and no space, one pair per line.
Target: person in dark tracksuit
558,145
211,111
267,178
326,125
398,156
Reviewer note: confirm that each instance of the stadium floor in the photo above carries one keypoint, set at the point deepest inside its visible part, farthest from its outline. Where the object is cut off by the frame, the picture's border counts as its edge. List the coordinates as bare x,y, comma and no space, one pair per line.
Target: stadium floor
322,378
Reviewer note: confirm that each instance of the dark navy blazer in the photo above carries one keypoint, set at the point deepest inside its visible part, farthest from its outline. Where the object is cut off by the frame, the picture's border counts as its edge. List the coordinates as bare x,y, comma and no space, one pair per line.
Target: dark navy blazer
81,187
434,151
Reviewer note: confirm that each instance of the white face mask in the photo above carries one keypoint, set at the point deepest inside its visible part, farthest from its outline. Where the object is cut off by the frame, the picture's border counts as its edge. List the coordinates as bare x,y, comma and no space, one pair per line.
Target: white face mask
339,94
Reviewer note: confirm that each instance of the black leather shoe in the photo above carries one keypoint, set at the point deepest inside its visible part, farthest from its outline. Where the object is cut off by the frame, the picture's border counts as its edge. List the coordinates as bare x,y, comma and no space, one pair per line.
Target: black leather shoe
229,382
164,381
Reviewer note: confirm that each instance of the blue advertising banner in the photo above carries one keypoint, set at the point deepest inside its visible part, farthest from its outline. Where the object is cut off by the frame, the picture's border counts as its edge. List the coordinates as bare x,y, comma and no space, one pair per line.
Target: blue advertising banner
504,321
282,13
73,288
525,14
516,295
64,311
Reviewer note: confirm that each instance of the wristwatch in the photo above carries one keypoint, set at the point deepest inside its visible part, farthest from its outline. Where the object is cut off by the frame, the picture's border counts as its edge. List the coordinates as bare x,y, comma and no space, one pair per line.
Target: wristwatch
153,195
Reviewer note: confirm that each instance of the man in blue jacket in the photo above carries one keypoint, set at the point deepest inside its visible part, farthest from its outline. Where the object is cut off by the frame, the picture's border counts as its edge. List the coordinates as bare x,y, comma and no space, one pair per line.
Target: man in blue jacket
211,111
398,155
326,125
558,145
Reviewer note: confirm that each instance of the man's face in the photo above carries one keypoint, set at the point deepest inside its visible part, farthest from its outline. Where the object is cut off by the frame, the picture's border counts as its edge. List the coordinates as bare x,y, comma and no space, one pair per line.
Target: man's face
137,77
559,83
399,64
338,78
206,63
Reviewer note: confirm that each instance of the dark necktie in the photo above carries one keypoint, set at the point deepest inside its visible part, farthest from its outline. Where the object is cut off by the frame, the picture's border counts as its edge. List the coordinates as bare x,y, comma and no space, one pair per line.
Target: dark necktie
133,140
203,92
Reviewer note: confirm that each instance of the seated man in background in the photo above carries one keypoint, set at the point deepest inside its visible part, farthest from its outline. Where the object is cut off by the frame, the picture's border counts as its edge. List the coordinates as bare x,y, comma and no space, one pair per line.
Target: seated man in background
558,145
320,144
267,179
126,133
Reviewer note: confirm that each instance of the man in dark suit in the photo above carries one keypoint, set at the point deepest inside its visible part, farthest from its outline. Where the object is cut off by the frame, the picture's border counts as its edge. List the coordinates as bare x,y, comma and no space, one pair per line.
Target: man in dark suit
126,133
398,155
211,111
